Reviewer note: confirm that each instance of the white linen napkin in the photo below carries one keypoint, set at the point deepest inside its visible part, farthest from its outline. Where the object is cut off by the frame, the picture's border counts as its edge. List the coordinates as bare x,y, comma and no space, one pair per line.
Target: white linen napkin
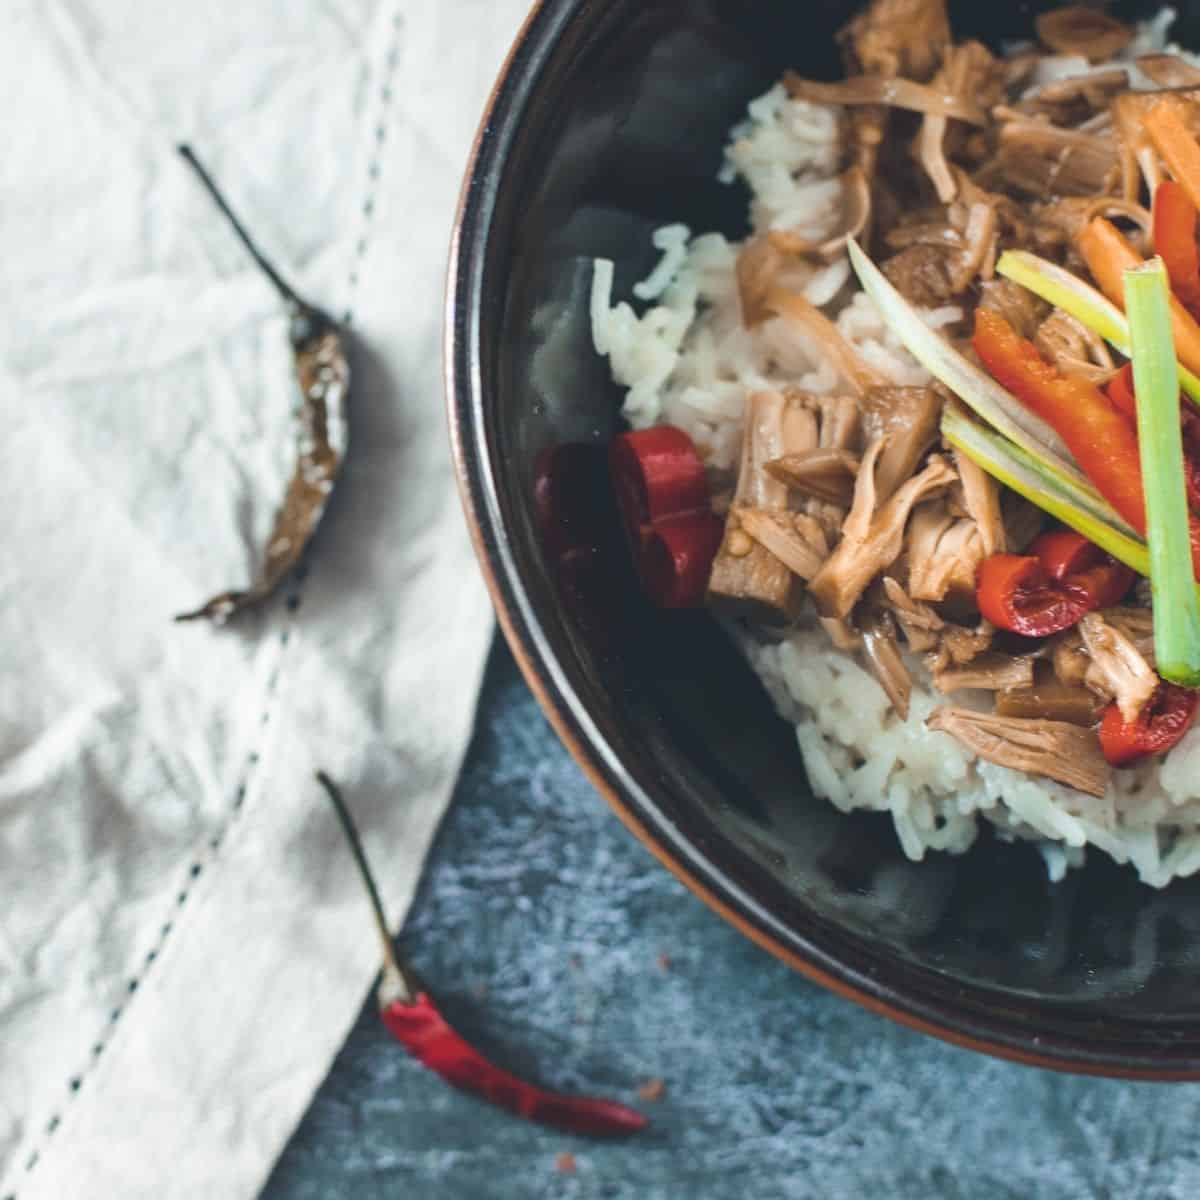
183,944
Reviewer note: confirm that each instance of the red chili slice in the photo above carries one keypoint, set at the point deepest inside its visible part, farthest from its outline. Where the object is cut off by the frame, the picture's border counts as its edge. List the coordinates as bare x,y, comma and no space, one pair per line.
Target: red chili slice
1063,577
568,494
658,475
1068,557
1015,592
676,558
663,495
1063,552
1159,726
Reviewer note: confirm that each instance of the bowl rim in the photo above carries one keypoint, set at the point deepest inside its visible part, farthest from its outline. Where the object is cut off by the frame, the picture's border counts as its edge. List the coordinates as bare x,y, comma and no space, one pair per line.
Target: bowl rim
997,1033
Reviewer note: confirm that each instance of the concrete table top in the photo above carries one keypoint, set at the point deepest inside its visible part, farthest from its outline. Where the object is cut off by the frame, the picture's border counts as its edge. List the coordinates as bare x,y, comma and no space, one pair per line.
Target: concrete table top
561,946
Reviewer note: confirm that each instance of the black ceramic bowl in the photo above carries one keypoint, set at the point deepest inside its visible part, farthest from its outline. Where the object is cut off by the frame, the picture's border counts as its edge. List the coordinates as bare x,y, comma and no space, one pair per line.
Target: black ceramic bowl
608,121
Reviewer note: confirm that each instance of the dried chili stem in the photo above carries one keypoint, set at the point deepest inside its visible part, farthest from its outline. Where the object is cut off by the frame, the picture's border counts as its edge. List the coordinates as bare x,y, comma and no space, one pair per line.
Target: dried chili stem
264,264
397,984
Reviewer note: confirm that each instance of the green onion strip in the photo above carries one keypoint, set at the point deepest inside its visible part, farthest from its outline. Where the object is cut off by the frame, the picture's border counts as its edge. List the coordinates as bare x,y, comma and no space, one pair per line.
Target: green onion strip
1083,302
1156,384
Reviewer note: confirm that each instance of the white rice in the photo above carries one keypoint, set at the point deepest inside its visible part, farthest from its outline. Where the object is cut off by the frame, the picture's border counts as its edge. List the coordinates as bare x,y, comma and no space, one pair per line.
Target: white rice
687,360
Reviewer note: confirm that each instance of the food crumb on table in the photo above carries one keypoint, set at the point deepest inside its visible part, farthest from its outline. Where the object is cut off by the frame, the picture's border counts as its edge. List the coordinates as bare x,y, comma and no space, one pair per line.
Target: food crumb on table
565,1163
652,1090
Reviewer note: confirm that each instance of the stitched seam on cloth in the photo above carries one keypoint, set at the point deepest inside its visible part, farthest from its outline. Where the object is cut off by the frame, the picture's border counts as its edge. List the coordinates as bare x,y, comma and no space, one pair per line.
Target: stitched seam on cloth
292,605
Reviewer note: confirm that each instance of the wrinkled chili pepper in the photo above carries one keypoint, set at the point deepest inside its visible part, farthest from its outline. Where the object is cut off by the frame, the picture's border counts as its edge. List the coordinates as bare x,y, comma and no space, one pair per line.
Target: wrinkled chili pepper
1175,242
1121,393
1099,436
663,495
412,1018
1160,725
323,372
1060,580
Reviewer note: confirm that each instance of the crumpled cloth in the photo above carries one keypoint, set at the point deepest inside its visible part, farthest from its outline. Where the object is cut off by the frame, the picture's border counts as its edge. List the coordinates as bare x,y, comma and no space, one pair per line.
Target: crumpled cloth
183,942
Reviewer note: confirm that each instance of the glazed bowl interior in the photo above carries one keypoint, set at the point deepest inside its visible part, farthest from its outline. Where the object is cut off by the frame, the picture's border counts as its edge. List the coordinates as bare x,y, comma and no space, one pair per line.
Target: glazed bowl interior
608,123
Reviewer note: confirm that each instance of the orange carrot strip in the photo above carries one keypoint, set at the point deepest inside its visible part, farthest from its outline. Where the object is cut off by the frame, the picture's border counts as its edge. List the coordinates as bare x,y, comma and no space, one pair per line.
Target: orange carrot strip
1174,141
1109,254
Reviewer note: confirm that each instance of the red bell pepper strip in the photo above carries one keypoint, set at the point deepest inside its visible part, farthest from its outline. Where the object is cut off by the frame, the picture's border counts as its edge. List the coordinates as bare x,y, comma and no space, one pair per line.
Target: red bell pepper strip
1063,577
413,1019
1101,439
676,558
570,488
1159,726
1096,434
1175,242
662,492
1121,393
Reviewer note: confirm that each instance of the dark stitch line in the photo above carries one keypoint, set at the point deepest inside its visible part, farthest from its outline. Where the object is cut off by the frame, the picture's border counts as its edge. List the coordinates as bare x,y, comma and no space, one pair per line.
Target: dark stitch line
292,602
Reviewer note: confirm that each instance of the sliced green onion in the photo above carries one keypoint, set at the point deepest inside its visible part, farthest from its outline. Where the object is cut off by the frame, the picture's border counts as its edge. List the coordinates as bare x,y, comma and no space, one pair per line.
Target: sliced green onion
974,386
1082,301
1017,469
1156,383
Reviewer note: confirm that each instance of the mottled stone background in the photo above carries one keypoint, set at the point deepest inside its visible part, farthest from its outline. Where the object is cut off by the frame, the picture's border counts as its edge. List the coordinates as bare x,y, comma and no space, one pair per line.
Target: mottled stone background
558,943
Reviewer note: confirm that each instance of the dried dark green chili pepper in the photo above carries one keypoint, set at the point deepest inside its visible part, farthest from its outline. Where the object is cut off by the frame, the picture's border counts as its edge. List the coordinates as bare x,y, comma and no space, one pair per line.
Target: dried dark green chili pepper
323,371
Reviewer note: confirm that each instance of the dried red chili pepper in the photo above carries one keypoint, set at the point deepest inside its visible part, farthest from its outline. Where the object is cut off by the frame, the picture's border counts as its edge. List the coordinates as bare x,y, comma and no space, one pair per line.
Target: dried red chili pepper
662,492
412,1018
323,372
1160,725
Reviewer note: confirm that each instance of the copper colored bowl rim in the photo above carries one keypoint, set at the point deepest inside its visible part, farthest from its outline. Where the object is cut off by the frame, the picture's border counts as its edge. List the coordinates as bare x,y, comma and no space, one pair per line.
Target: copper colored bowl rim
995,1028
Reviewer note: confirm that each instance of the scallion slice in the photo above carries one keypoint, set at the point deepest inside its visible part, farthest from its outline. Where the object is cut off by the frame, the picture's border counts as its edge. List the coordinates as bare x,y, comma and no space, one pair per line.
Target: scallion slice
1156,382
974,386
1083,302
1017,469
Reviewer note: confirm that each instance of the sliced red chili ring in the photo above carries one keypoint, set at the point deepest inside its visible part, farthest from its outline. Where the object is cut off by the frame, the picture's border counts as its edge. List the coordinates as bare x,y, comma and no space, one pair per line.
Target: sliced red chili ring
658,475
1015,592
676,558
663,495
570,496
1063,577
1068,557
1160,725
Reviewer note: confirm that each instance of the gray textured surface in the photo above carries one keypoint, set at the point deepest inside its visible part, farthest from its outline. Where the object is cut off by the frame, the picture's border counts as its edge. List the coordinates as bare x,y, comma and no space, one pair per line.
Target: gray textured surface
541,923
